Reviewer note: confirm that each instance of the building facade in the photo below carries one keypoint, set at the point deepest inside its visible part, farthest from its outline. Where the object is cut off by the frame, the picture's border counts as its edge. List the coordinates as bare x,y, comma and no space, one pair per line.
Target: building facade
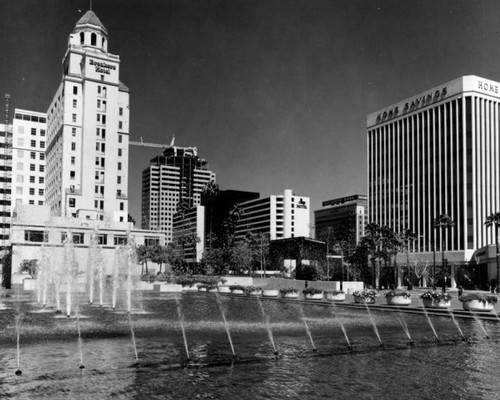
88,129
343,218
28,157
438,153
188,234
173,179
279,216
5,184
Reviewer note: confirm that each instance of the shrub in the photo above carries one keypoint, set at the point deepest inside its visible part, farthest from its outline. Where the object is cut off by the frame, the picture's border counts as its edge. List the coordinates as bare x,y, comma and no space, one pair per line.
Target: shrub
480,297
436,296
394,293
249,289
236,287
289,290
311,290
371,293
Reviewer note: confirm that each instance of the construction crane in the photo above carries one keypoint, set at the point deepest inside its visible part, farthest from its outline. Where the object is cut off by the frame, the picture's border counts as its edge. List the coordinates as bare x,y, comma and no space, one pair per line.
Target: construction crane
142,143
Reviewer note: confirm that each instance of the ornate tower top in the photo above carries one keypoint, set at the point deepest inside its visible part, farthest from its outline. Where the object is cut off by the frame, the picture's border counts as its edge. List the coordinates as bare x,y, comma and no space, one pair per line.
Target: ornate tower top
89,19
90,32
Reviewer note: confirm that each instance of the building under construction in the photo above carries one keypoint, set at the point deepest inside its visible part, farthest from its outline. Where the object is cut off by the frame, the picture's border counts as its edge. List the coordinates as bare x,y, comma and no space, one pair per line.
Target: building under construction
173,180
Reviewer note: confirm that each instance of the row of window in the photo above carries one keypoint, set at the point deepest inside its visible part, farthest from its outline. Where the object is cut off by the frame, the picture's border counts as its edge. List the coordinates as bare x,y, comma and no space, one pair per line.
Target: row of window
32,118
19,191
38,236
20,167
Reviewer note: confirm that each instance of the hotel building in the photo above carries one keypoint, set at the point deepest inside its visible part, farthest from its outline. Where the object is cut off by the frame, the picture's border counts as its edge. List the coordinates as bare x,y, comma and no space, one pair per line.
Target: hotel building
87,130
345,217
177,176
279,216
438,153
5,184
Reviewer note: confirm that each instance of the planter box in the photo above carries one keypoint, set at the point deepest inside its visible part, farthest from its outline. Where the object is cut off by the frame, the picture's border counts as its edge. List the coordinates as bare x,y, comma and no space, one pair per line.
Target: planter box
224,289
257,292
237,291
398,301
432,303
477,305
366,300
29,284
202,289
293,295
270,292
335,297
313,296
193,288
213,290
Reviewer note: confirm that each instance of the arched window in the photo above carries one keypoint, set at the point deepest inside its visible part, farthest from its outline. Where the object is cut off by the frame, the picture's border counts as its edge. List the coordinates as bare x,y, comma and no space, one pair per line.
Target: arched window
93,39
82,37
103,41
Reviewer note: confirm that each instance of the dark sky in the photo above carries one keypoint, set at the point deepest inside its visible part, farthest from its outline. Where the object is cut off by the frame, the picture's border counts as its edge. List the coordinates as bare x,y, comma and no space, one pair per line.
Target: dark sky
274,93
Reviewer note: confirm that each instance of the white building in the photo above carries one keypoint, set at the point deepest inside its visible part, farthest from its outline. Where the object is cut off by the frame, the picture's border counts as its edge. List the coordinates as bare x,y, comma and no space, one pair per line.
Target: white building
28,157
279,216
177,176
436,153
87,130
5,185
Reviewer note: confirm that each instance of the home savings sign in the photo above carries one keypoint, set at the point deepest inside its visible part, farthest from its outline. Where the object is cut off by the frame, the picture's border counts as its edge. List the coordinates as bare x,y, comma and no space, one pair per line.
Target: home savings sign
412,105
102,67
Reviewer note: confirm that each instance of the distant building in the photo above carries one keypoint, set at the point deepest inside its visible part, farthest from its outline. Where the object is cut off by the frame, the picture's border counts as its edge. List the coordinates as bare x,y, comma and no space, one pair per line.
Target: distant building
279,216
28,157
5,185
88,130
342,218
175,177
189,234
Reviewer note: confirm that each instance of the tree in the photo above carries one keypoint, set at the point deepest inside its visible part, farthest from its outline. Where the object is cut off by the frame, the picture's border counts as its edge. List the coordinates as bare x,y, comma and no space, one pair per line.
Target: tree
210,192
407,240
442,222
30,267
259,246
493,220
162,255
143,256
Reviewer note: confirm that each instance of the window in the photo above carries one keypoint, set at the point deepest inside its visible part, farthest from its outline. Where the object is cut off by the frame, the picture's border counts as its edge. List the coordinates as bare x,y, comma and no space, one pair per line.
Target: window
82,38
119,166
75,89
119,138
32,167
93,39
32,191
74,103
120,125
42,144
73,117
102,239
20,142
121,206
71,174
120,240
40,202
33,143
41,168
104,120
97,161
42,156
35,236
73,146
73,160
20,153
98,117
120,110
40,192
20,178
119,152
119,179
33,131
73,131
41,179
42,132
103,133
72,202
32,179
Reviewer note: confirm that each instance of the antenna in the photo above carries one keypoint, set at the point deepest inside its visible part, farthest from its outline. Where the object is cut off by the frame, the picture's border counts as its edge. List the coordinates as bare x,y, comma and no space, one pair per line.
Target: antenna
90,5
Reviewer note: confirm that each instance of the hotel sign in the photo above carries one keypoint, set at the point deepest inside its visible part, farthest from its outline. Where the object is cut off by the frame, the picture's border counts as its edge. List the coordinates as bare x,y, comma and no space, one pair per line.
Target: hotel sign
344,200
302,204
102,67
414,104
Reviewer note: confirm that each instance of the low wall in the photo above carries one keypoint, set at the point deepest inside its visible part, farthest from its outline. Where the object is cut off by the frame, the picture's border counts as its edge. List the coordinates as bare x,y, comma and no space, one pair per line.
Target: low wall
239,280
167,287
279,283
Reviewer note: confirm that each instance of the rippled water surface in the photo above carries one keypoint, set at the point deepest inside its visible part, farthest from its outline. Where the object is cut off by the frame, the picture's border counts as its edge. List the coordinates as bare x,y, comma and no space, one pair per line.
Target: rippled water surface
50,354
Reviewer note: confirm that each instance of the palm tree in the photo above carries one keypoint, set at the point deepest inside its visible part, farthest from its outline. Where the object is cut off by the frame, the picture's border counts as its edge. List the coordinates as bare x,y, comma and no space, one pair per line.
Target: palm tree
210,192
408,238
494,220
442,222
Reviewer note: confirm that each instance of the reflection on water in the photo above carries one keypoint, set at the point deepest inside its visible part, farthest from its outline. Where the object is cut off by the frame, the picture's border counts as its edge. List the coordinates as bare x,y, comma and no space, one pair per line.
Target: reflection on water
50,354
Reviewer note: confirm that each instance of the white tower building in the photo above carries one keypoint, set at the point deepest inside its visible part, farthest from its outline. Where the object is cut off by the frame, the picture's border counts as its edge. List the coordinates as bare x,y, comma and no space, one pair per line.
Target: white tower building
87,130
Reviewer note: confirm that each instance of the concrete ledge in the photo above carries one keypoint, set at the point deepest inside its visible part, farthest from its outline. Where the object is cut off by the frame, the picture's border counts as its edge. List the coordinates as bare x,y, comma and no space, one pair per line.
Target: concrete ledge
167,287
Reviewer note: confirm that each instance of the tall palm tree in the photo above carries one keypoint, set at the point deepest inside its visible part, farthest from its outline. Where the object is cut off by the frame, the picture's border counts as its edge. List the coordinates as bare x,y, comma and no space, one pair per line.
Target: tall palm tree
494,220
407,239
442,222
210,192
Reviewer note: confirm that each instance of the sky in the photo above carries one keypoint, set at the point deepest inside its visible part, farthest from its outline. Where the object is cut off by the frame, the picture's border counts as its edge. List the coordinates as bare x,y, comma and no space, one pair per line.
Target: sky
273,93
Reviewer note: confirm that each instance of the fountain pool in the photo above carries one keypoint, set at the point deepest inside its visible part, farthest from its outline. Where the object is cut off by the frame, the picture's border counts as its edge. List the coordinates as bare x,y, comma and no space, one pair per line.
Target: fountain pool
177,347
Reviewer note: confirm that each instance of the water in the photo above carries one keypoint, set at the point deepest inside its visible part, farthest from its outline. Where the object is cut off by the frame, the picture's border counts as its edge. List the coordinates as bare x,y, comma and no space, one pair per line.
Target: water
50,358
